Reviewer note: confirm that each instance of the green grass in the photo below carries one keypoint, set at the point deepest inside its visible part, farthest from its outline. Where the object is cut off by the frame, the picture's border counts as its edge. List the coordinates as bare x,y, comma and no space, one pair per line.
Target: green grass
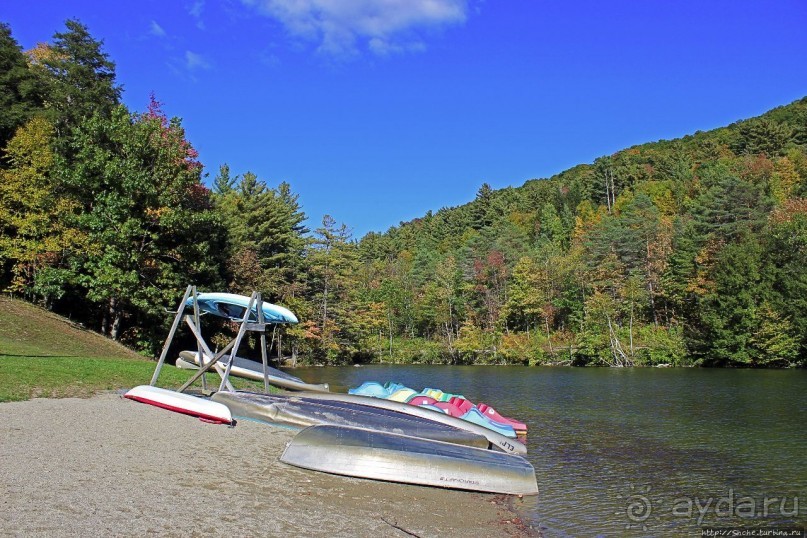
44,355
22,378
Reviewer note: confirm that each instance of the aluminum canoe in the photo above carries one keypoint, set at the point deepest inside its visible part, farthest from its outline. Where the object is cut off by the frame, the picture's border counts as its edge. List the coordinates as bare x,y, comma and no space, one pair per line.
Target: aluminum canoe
291,410
398,458
497,440
254,370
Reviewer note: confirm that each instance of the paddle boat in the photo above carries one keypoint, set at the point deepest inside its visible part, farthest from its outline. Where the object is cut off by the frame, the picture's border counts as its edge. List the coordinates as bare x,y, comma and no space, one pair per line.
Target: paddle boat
454,405
488,411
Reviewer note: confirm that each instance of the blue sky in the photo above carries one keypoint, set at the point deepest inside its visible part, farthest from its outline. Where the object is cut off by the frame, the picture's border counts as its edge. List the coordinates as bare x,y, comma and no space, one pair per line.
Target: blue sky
377,111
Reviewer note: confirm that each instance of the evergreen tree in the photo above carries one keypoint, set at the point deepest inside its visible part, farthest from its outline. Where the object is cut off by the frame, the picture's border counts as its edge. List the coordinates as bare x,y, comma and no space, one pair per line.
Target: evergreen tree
223,184
20,97
729,208
481,213
331,261
266,233
77,76
728,315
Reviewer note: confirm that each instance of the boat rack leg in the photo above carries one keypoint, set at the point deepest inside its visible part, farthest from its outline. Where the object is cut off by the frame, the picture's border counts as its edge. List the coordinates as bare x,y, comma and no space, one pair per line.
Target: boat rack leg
241,331
180,310
264,357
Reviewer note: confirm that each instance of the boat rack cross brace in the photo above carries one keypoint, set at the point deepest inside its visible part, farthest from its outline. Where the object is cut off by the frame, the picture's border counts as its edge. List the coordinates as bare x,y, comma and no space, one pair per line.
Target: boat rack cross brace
252,317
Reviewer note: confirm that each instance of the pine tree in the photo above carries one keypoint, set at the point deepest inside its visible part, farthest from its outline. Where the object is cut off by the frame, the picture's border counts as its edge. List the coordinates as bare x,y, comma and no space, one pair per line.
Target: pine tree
77,76
20,97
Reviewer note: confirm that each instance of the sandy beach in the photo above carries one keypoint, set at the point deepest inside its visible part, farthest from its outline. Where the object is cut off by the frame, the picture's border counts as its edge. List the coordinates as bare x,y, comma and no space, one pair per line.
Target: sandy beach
107,466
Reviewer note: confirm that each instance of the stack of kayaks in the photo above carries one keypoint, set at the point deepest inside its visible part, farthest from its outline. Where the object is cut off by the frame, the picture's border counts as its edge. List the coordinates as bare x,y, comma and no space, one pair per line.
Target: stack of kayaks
455,405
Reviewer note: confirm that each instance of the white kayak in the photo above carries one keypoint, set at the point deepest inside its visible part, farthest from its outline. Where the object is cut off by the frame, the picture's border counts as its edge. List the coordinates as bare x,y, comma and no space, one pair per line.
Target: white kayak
252,370
181,403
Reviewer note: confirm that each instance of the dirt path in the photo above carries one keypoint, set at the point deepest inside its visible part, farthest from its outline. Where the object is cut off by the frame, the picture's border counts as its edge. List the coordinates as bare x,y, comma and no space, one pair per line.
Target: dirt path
107,466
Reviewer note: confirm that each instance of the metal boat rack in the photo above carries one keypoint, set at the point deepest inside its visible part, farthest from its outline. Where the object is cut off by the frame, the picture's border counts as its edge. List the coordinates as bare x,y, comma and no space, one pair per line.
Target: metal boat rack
230,351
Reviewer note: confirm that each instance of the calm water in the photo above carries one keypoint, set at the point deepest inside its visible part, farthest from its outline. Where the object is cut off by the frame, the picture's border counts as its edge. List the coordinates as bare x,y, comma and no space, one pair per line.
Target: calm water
640,452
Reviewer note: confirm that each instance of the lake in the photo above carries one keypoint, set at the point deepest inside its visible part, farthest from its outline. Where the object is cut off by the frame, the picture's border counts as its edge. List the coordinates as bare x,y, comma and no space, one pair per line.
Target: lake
643,451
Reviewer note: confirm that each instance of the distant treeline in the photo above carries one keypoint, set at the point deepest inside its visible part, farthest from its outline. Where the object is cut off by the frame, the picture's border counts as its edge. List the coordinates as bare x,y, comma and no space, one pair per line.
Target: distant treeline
683,252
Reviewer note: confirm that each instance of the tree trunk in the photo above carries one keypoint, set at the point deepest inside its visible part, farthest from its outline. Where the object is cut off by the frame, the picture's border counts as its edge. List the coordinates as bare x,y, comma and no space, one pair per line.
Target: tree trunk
548,338
389,326
115,317
630,332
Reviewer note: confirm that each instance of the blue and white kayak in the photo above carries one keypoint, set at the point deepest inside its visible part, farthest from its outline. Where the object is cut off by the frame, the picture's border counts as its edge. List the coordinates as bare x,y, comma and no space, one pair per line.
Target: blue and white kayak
233,307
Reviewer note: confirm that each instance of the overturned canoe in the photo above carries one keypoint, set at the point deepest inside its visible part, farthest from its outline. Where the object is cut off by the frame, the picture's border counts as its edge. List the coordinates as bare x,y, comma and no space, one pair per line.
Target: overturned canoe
398,458
291,410
498,440
181,403
254,370
233,307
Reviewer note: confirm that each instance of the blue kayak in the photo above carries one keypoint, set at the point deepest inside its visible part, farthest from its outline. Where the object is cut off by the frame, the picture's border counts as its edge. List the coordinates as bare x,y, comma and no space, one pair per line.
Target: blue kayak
233,307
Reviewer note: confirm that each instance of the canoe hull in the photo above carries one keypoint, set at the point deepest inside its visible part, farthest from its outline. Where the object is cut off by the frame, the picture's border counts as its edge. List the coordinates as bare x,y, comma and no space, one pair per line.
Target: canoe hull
497,440
396,458
290,410
252,370
181,403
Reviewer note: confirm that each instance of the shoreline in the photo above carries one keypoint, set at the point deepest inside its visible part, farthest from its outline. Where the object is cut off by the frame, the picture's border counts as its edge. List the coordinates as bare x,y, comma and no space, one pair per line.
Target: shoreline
110,466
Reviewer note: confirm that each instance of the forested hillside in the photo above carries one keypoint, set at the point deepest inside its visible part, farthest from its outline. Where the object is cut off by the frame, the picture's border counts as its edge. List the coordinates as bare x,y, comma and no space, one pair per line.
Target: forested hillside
691,251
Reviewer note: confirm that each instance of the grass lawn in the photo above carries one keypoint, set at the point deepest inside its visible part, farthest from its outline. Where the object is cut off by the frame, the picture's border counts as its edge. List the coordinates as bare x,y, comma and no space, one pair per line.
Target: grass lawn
45,355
